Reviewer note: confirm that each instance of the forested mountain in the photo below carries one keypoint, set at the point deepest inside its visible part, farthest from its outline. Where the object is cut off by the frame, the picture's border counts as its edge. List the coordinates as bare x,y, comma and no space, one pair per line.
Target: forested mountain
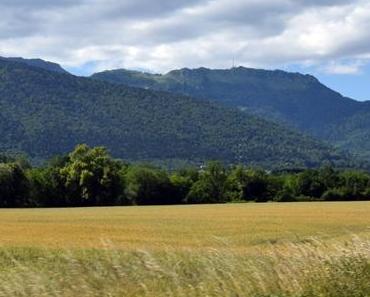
43,113
37,63
292,98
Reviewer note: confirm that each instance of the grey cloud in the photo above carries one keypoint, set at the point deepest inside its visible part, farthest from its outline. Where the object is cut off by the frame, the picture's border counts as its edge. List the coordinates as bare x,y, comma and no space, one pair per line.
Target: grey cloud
250,18
144,8
323,2
37,3
167,33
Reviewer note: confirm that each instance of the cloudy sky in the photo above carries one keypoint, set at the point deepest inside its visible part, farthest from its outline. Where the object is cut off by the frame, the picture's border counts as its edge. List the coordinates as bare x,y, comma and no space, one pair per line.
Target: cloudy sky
328,38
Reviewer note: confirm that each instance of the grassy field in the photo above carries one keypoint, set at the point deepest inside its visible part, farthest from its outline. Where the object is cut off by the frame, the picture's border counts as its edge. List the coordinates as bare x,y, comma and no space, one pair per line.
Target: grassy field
275,250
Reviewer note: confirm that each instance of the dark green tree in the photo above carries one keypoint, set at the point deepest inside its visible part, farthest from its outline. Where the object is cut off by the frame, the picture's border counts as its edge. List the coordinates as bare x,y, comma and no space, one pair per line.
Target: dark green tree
256,186
355,184
237,180
92,177
182,181
309,184
148,185
212,186
14,186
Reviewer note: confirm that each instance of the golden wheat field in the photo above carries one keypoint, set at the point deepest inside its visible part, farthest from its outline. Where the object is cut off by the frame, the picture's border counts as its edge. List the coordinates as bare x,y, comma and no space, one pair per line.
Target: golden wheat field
182,227
235,250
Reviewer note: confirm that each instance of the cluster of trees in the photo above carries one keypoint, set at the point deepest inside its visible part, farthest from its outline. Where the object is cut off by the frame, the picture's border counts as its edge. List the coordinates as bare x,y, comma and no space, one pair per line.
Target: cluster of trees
91,177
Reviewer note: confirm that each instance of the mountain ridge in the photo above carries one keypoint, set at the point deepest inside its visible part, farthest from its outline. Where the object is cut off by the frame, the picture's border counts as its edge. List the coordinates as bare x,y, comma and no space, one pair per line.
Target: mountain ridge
298,100
40,63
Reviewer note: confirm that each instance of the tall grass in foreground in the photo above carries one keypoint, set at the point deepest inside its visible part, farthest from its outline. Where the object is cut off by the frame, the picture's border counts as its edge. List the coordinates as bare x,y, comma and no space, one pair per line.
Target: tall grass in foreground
306,269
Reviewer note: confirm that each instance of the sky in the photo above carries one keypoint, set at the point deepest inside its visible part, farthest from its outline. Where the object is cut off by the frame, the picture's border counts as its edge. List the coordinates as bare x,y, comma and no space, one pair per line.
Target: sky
327,38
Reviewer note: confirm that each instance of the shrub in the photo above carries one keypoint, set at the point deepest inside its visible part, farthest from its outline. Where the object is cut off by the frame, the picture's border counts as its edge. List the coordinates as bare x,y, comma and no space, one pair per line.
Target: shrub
285,196
333,195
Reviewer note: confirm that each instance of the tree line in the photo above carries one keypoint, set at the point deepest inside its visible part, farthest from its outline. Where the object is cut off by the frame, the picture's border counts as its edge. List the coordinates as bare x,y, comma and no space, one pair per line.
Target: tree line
91,177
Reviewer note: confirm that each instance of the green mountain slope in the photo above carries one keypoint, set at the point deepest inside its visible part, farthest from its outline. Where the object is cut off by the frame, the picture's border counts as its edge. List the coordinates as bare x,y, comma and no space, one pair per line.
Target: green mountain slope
298,100
44,113
353,134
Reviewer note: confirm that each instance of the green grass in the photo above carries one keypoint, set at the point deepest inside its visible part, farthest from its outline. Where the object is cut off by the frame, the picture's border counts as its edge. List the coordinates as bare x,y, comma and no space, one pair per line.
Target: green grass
259,250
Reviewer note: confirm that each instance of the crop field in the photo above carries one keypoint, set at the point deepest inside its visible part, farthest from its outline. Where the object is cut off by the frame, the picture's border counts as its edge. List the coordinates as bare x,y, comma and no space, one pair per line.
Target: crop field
241,226
292,249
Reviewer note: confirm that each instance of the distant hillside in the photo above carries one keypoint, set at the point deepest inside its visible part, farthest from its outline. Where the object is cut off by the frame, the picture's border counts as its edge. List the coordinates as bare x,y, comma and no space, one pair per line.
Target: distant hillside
296,99
44,113
38,63
353,133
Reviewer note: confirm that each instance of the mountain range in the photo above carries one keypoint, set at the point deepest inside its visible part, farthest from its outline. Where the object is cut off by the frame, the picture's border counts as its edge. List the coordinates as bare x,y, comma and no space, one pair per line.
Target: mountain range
293,99
45,111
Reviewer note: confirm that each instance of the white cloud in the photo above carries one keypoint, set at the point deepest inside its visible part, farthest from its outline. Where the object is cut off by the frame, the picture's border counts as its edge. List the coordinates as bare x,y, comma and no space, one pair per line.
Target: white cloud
344,67
166,34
